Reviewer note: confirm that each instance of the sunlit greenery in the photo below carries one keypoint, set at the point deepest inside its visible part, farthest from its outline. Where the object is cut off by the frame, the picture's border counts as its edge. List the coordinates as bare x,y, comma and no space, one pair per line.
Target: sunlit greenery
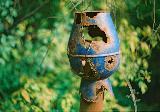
35,73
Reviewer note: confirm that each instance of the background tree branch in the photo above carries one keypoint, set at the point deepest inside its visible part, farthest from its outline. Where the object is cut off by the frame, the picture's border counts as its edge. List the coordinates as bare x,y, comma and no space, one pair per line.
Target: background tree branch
7,31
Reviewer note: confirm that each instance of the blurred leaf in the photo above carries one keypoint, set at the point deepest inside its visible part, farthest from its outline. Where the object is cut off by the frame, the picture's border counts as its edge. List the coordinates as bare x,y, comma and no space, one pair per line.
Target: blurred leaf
25,95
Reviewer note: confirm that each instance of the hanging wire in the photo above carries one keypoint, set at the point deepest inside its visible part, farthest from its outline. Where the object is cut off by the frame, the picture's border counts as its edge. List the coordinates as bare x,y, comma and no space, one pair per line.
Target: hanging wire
74,6
154,14
112,9
88,6
114,13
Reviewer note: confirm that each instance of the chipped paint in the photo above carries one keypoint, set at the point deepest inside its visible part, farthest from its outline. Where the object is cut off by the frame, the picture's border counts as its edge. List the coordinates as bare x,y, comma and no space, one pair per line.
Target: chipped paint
89,69
110,62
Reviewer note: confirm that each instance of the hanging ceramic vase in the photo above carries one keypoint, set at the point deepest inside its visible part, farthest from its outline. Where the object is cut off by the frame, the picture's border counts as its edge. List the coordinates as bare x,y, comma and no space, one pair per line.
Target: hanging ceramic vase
93,47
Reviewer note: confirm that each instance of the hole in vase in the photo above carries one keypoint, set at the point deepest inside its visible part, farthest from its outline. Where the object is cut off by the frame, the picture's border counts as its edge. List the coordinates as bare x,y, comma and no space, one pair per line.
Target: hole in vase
93,33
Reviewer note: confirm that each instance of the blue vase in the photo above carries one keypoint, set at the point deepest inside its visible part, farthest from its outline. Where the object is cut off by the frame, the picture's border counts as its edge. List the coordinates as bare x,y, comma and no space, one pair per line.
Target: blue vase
93,59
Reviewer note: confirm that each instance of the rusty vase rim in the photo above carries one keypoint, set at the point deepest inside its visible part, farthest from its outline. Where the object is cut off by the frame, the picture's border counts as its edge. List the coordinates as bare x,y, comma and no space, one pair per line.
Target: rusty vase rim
95,11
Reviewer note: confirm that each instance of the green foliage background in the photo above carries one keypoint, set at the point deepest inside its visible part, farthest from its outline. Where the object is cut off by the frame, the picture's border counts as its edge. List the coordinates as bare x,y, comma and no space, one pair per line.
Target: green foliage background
34,70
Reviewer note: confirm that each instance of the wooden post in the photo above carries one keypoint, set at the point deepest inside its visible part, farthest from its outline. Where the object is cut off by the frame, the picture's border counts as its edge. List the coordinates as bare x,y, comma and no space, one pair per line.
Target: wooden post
97,106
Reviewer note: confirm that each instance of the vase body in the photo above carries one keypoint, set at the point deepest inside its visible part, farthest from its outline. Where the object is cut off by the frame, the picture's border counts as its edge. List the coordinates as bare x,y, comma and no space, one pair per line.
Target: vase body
93,47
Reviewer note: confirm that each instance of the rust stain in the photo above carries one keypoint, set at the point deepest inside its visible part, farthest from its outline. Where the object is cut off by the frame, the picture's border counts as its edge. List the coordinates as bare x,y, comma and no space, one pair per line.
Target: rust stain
89,69
111,62
72,45
99,46
84,43
109,40
101,84
85,20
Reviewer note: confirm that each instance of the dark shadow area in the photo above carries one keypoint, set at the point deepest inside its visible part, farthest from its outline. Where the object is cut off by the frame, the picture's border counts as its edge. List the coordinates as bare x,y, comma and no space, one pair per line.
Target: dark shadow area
152,96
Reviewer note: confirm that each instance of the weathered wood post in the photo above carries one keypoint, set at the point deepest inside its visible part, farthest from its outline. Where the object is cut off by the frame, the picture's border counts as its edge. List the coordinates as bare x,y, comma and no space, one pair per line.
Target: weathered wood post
93,51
